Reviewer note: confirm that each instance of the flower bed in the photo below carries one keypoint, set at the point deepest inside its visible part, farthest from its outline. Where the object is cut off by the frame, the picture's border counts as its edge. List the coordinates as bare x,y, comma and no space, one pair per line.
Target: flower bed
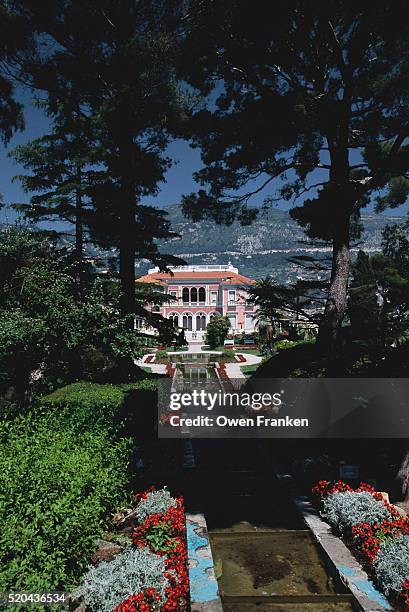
251,347
373,529
154,564
170,369
224,377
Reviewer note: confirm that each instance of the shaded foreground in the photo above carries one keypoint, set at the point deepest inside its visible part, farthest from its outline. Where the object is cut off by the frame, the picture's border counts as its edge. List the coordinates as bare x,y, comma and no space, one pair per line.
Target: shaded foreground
264,557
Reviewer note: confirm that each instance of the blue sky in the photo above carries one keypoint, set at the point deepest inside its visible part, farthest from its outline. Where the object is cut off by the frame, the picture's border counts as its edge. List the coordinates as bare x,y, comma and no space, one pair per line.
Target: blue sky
179,178
36,125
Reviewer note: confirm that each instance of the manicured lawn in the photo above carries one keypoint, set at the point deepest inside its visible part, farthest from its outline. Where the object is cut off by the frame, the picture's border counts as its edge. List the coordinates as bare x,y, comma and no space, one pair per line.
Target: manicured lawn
248,370
145,369
250,351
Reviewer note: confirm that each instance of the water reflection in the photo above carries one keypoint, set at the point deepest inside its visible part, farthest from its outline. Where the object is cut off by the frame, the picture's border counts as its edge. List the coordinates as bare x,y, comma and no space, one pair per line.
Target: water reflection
190,376
194,358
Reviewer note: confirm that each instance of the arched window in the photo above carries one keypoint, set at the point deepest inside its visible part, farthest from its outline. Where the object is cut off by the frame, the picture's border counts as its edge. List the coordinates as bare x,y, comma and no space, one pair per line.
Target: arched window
185,295
174,319
200,321
193,295
187,321
202,295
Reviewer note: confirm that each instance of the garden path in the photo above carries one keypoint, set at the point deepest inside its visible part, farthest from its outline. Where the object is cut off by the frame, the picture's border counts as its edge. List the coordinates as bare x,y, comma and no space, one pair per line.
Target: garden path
234,370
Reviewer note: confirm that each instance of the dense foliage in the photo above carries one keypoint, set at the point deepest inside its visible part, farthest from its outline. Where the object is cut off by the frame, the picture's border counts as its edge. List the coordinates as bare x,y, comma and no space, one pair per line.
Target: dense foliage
50,333
216,331
379,292
65,468
272,299
15,38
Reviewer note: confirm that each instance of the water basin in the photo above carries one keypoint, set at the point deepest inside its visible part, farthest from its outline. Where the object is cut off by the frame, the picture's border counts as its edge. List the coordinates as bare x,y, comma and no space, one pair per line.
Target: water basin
274,570
336,603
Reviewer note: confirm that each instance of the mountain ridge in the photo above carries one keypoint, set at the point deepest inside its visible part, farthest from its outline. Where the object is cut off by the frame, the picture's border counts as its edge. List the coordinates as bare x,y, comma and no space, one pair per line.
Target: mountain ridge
260,249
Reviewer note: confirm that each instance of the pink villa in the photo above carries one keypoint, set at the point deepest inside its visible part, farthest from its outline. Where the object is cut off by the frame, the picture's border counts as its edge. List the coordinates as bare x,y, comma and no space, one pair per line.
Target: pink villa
202,291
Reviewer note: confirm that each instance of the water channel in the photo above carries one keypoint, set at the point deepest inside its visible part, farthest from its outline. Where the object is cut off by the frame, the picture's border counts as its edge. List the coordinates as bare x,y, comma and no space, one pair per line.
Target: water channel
265,559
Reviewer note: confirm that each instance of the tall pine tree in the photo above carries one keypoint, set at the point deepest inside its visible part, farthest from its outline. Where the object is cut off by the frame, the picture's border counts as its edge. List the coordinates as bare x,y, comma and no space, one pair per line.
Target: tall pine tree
118,57
63,166
312,95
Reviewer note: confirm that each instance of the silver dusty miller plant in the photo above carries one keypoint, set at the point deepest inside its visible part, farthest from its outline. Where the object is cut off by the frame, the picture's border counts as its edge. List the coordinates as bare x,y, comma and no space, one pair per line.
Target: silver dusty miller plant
391,565
156,502
345,509
110,583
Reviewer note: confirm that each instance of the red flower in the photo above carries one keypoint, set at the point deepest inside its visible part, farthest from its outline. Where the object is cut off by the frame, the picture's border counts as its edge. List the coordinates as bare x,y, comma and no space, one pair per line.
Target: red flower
144,601
324,488
170,370
404,595
175,557
366,538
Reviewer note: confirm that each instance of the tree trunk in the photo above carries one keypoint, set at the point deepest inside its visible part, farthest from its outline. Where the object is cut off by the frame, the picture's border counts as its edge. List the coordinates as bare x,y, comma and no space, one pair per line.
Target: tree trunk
343,202
79,233
329,333
127,264
127,234
125,368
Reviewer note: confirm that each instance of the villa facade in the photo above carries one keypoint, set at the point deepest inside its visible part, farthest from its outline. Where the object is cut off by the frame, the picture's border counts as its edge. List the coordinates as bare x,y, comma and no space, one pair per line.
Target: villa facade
200,292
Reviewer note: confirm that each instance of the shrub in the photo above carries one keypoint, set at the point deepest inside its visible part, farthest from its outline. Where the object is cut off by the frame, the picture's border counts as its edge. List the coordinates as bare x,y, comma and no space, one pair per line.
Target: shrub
85,406
216,331
145,384
112,582
345,509
65,469
154,502
391,566
289,344
59,486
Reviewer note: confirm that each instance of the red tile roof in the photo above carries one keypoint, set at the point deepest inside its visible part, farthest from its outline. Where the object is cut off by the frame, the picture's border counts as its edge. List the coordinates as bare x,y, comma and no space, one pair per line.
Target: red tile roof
225,276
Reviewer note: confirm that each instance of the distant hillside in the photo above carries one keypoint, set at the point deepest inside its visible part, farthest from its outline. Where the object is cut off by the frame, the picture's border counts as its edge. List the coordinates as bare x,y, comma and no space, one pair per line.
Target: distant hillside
259,249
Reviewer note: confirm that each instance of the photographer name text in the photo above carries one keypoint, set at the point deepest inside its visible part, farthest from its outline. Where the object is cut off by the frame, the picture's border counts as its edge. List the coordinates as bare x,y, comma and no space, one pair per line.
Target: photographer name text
225,421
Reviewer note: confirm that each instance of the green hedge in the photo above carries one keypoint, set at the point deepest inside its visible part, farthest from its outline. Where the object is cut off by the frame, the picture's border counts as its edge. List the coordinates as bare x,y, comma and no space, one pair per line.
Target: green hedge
228,356
282,345
64,471
84,405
